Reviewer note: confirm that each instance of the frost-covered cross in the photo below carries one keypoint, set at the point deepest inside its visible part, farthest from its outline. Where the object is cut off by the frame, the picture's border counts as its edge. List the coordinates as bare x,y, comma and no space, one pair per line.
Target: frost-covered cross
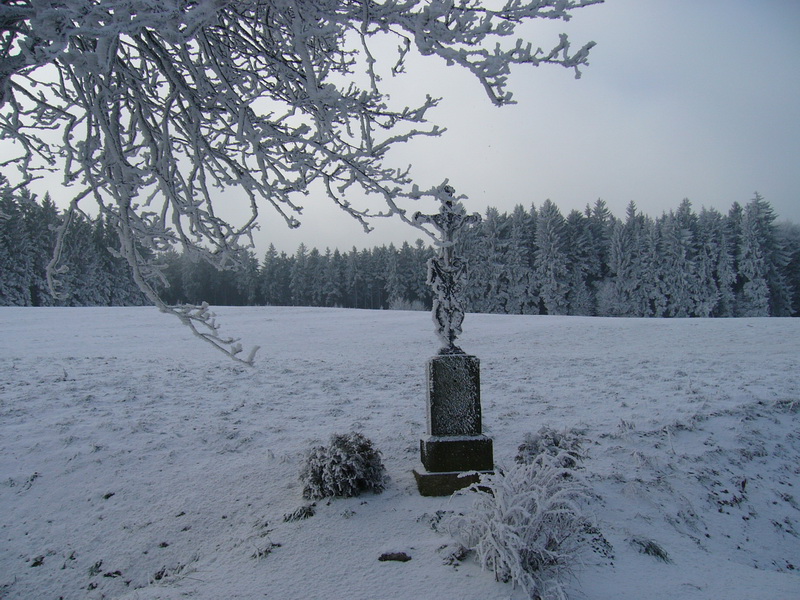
446,272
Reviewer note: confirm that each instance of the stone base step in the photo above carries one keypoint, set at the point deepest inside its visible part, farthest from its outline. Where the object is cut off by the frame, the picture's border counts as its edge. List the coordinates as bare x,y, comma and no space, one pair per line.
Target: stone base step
445,454
444,484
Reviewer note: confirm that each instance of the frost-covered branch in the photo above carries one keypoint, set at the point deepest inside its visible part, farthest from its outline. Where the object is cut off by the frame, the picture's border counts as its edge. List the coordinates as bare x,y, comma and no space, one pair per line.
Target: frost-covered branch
158,109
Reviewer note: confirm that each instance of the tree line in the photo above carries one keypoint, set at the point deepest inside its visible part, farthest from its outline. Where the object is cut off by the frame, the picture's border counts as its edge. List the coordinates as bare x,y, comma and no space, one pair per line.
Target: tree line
377,278
681,264
536,261
529,261
91,275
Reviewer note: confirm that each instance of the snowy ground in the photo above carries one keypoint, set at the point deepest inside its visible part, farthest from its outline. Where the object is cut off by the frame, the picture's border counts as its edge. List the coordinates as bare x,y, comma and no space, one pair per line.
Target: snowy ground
136,463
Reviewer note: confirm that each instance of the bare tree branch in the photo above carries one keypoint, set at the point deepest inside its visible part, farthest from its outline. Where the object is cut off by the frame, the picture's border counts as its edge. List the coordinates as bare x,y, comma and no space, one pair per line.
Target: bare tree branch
154,108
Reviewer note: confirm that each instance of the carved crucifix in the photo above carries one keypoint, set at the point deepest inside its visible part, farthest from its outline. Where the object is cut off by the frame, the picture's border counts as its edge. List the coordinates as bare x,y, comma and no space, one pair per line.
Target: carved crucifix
447,272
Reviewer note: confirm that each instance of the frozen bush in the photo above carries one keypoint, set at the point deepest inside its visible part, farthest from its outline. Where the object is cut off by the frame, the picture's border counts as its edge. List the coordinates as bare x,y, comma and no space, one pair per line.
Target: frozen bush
567,445
348,466
526,524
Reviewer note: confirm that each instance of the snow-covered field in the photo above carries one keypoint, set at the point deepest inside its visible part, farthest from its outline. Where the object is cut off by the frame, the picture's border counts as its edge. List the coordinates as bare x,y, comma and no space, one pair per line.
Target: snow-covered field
137,463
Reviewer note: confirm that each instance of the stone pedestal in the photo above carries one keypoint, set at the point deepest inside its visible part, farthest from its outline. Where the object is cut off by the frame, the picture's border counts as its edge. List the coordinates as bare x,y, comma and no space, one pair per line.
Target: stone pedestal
455,447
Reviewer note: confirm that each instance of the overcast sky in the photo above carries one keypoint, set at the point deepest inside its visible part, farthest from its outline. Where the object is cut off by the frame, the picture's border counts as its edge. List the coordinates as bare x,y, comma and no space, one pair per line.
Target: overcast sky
695,99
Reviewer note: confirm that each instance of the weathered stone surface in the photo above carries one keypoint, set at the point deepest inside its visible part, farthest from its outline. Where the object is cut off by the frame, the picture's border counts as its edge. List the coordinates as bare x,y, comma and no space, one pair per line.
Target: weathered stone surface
443,484
455,450
454,395
454,453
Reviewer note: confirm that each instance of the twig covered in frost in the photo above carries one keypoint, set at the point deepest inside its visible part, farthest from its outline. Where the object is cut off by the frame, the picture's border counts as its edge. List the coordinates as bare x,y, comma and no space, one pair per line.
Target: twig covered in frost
203,323
155,108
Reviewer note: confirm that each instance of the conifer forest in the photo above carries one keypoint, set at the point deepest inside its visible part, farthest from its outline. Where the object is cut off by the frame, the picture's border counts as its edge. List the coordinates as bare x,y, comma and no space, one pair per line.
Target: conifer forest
532,261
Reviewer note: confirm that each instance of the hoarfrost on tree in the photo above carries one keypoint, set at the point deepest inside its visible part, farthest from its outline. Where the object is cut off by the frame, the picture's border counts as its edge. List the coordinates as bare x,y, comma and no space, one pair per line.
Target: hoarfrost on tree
153,108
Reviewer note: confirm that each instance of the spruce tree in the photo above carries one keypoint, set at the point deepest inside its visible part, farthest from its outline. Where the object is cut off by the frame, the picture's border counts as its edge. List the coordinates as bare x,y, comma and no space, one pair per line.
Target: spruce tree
300,278
715,265
551,261
789,235
16,259
762,259
614,293
41,221
333,279
580,259
681,284
519,258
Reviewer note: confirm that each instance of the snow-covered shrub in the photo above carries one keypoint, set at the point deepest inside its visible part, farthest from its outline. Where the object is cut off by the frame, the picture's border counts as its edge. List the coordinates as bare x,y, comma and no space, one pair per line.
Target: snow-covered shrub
526,524
348,466
567,445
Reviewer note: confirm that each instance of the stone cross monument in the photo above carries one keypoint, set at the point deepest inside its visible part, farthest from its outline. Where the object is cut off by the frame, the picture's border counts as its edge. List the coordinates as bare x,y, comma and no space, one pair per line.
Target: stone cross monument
455,450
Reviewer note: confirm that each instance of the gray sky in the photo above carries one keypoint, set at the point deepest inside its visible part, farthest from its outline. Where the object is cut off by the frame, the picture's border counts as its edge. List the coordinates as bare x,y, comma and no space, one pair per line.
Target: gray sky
695,99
